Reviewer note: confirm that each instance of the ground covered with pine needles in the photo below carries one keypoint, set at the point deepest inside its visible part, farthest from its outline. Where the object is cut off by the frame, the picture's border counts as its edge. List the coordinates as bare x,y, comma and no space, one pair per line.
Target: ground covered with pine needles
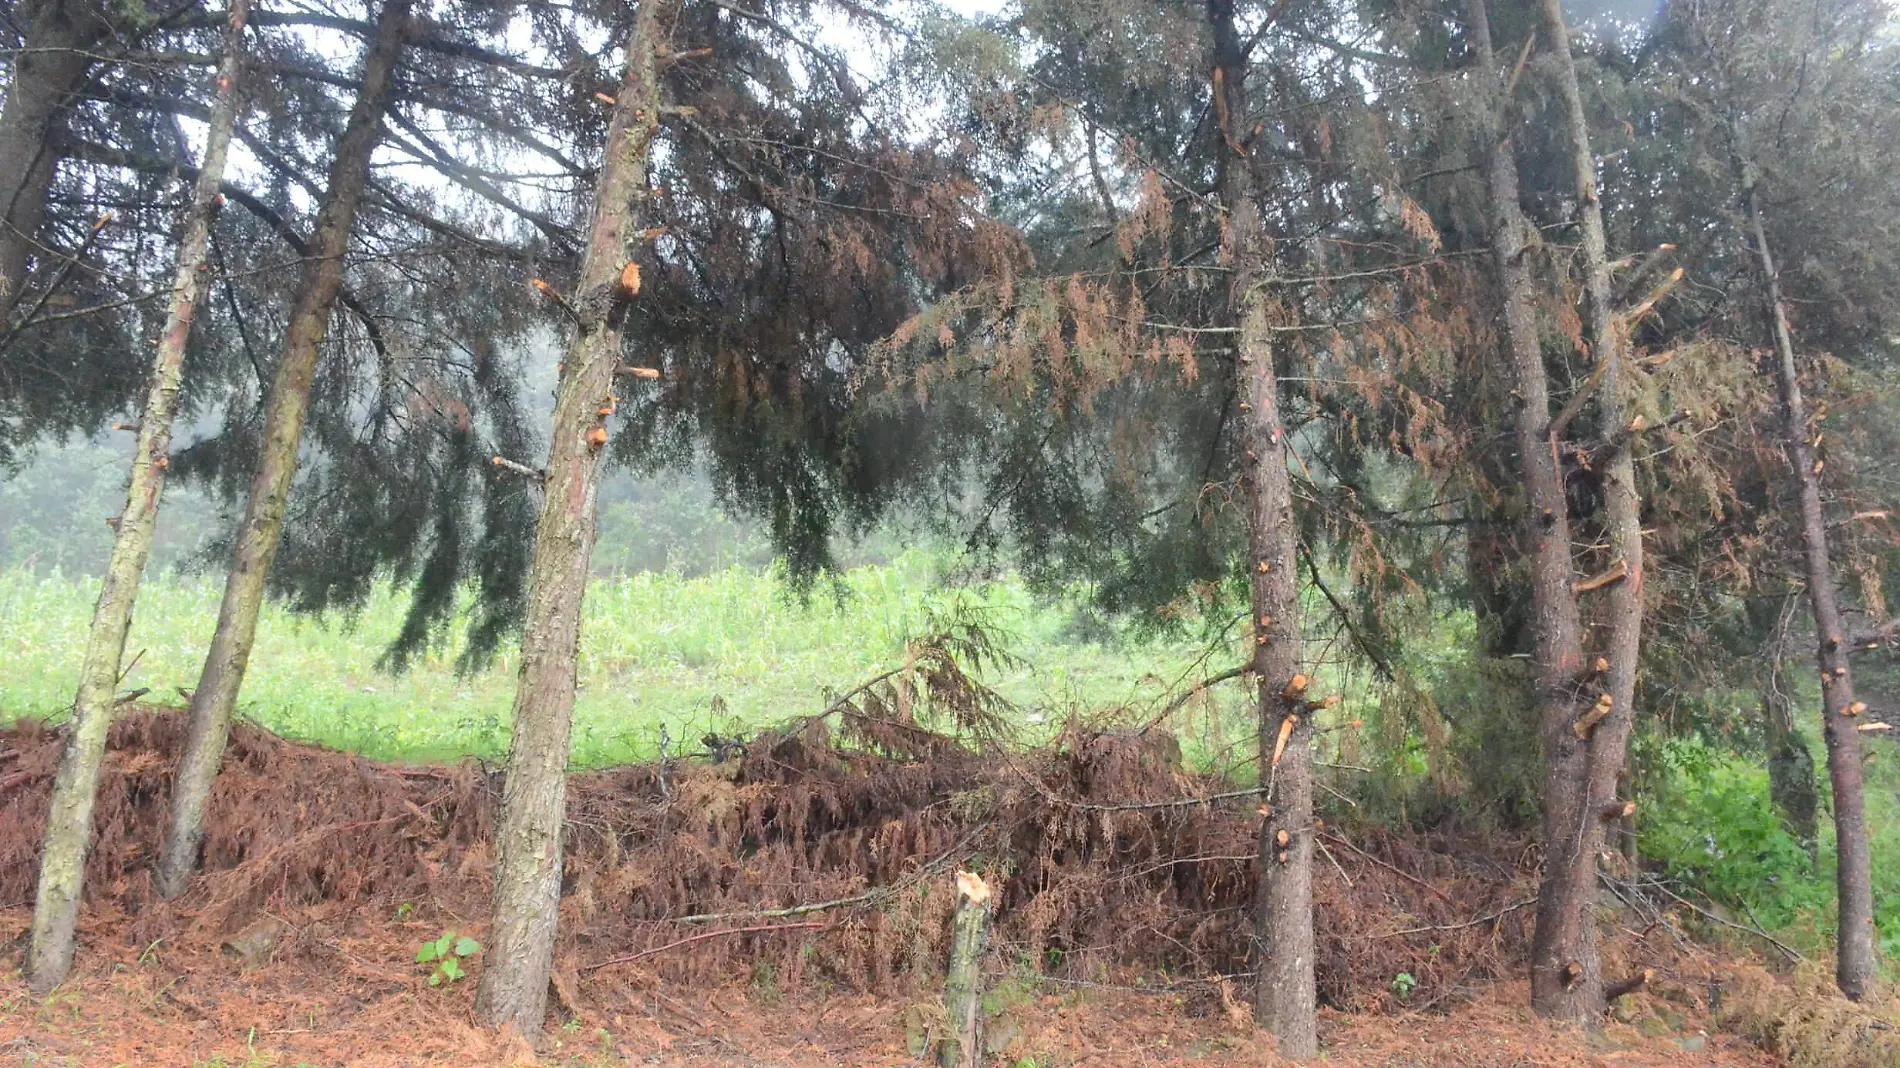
690,932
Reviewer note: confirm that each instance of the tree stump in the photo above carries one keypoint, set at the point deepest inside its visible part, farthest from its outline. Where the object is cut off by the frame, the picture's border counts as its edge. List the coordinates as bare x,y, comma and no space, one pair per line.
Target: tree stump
963,989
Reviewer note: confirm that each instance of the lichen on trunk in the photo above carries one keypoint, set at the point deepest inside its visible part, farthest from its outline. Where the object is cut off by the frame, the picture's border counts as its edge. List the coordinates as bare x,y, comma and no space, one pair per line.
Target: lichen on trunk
525,910
69,816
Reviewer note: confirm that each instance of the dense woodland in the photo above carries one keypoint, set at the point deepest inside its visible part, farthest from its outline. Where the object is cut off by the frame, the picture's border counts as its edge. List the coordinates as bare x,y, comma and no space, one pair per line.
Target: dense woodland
1308,325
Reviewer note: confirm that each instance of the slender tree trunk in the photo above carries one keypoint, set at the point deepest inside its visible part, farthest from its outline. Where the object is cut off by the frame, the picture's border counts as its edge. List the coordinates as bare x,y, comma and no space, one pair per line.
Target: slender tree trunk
262,529
1574,937
1564,967
526,905
50,68
1284,992
1854,971
69,815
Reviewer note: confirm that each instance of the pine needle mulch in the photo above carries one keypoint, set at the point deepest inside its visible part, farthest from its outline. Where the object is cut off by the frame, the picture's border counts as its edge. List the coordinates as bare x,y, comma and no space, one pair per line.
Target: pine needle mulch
365,1005
689,936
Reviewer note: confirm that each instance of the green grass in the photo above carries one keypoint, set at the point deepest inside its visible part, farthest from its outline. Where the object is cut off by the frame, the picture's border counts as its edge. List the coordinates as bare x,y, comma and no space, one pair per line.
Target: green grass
728,651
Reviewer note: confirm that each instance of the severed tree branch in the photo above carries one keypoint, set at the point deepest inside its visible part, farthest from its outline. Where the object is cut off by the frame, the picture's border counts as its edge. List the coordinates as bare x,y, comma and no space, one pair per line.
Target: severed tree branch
630,957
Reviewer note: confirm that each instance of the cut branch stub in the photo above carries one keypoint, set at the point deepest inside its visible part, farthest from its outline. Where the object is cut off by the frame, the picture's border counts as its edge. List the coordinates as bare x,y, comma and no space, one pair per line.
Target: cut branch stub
520,468
1286,731
1619,810
1589,720
1628,986
1616,573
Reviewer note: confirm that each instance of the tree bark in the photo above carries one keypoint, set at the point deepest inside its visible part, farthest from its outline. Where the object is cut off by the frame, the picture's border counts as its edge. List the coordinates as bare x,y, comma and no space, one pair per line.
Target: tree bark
69,814
1854,970
1285,996
50,68
1564,968
525,910
262,529
1574,936
963,986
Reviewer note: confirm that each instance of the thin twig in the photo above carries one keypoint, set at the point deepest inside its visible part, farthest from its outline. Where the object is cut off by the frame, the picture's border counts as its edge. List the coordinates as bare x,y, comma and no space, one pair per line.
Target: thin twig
1198,688
809,925
873,894
1388,866
1792,954
1335,860
1498,915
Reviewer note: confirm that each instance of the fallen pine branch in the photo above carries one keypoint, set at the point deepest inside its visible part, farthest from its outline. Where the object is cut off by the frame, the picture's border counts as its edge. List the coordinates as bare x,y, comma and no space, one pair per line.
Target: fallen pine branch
1791,954
875,893
1401,873
1498,915
656,950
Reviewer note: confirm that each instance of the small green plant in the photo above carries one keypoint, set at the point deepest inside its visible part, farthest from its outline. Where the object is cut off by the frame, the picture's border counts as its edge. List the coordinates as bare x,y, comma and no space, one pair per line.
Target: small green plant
447,954
1403,984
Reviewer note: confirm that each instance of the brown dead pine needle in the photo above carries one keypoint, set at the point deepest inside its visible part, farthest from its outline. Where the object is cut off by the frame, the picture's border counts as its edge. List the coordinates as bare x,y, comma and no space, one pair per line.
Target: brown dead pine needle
656,950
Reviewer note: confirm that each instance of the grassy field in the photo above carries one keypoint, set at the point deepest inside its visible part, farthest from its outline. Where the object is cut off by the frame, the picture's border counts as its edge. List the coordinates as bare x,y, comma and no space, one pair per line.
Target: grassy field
728,651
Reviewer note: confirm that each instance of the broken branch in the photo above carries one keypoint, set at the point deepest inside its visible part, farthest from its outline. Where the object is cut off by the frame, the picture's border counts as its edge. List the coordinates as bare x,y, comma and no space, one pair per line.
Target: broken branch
1617,572
1589,720
808,925
520,468
1655,297
1628,986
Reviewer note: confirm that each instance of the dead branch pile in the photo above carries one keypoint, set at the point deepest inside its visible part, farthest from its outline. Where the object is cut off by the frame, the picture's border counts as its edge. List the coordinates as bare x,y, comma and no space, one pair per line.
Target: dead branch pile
833,857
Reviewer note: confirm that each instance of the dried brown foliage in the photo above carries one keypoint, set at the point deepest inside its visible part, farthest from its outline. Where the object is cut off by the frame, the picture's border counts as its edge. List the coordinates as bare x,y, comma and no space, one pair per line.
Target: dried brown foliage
1087,884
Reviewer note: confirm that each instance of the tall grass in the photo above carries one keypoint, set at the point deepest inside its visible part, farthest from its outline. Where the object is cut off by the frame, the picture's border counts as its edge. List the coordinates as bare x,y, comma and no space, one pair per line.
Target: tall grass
664,660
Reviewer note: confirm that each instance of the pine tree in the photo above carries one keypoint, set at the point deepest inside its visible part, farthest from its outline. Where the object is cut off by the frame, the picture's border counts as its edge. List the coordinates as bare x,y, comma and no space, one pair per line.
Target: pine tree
69,818
215,698
527,899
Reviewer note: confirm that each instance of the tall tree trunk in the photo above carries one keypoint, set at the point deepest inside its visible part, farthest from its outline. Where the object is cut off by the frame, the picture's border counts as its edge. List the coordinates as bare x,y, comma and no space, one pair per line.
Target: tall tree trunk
526,905
262,530
1854,970
1574,937
69,814
51,66
1284,992
1564,967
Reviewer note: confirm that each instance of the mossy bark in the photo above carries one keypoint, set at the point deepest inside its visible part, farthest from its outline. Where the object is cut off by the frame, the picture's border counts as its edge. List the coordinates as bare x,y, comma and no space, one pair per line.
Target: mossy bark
962,1045
69,816
526,905
259,535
